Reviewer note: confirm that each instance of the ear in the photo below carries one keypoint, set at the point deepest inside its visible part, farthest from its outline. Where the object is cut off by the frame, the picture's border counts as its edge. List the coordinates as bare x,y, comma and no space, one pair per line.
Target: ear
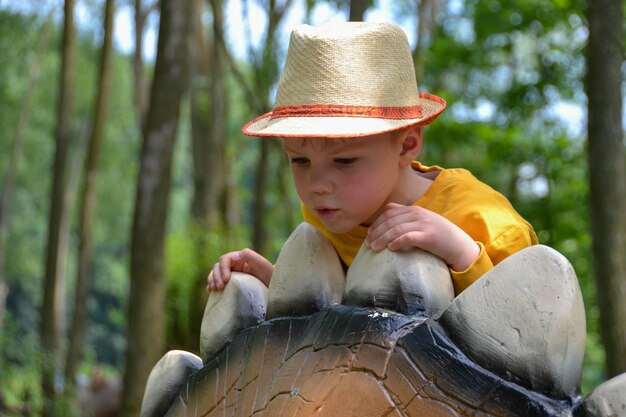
411,141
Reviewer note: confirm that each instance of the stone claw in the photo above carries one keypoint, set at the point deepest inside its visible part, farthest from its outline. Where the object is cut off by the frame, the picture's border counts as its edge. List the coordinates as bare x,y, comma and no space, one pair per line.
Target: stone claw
165,381
412,282
608,398
308,275
241,304
524,317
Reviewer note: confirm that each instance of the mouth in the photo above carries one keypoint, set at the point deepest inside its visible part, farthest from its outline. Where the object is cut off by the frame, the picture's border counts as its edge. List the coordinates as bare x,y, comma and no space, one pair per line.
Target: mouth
326,213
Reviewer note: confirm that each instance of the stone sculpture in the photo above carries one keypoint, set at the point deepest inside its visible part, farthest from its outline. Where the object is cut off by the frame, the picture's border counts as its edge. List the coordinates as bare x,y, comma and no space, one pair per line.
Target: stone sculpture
389,339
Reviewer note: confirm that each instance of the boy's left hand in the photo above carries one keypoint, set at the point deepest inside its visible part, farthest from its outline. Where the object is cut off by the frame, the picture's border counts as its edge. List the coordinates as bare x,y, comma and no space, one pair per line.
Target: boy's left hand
402,227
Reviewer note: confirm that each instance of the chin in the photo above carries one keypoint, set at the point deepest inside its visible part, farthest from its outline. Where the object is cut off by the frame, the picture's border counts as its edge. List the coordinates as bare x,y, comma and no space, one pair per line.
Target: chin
339,228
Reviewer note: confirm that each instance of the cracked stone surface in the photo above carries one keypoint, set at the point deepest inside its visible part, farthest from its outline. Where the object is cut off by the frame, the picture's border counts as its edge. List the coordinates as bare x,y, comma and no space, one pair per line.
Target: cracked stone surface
525,317
409,282
353,361
510,345
165,380
242,304
608,399
308,275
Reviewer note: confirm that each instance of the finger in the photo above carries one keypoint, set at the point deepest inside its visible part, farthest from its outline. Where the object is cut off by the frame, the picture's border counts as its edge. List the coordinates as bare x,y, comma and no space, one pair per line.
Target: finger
392,215
413,239
255,264
221,273
247,261
395,205
224,268
212,279
391,210
386,237
392,227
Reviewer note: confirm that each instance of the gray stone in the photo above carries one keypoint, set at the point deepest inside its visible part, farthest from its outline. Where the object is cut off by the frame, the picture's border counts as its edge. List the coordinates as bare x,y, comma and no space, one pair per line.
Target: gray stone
308,275
608,399
165,381
524,318
241,304
409,281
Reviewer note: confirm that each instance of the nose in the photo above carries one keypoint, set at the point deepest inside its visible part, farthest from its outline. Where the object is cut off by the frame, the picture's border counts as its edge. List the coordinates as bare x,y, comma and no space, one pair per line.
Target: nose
320,181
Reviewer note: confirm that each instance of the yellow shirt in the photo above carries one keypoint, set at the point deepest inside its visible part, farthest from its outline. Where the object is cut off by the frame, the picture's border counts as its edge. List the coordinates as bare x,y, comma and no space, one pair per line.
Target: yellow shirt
483,213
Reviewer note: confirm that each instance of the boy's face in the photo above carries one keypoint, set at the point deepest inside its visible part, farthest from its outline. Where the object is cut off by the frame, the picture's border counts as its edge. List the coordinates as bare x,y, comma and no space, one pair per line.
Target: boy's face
347,182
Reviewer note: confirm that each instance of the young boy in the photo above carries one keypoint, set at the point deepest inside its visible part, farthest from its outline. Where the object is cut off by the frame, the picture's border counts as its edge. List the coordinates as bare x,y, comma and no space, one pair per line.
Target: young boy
351,119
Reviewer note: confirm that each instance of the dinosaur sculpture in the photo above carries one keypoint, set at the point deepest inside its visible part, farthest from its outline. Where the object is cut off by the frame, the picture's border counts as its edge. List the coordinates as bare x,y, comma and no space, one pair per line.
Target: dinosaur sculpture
387,339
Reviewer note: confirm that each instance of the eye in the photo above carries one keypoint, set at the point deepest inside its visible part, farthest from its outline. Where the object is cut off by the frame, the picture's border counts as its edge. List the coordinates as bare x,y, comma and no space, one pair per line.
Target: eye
299,160
345,161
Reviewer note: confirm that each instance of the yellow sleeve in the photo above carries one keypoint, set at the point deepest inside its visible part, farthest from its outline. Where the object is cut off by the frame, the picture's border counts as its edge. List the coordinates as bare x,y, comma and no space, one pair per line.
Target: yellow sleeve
463,279
514,239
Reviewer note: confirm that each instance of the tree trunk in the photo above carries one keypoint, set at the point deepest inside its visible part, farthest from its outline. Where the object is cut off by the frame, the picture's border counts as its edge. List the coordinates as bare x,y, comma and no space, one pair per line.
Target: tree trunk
146,314
208,106
259,233
427,11
357,10
232,208
219,114
6,200
607,173
266,75
49,326
89,203
139,86
419,40
205,163
209,137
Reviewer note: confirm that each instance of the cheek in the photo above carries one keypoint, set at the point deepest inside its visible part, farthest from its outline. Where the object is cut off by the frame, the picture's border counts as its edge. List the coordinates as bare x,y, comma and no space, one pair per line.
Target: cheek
358,191
299,183
371,187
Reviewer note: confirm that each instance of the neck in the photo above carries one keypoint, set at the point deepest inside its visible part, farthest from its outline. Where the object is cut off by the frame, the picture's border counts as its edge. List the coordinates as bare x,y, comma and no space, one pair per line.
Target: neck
412,186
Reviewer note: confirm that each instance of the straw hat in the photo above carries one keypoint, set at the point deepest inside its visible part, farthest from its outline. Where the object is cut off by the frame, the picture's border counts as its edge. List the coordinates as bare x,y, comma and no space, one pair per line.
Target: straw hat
345,80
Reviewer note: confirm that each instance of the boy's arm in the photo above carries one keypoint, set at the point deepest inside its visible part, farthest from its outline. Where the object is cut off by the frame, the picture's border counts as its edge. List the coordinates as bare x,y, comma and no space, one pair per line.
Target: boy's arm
245,260
413,226
403,227
463,279
515,238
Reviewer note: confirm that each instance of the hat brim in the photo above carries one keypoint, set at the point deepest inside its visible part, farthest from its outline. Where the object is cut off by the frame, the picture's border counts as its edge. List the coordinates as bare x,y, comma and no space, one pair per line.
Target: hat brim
340,126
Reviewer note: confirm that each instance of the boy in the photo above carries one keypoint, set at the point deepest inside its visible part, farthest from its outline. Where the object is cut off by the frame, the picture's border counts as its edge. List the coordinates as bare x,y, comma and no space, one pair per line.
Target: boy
351,119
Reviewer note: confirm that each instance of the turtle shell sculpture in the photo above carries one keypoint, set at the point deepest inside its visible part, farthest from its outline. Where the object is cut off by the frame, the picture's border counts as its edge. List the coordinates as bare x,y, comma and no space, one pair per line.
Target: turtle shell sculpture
387,339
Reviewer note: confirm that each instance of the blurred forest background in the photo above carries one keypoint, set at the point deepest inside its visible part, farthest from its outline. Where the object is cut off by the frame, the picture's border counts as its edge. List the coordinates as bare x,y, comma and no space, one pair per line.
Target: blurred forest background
124,175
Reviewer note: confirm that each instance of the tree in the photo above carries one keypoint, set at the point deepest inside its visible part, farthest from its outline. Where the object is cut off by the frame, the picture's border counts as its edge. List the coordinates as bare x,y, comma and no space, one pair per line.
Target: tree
358,9
427,11
139,87
607,173
505,67
265,75
146,312
209,114
208,105
6,198
52,293
89,203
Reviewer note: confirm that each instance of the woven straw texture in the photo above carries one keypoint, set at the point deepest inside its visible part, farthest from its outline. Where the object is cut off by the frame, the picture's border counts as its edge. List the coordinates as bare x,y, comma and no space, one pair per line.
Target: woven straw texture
331,69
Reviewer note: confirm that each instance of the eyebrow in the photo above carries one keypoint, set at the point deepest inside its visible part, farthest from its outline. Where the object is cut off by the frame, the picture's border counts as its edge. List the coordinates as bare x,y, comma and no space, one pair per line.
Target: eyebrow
335,145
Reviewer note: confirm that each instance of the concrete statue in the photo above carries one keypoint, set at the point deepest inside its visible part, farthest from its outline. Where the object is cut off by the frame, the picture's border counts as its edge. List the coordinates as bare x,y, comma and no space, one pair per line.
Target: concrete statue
387,338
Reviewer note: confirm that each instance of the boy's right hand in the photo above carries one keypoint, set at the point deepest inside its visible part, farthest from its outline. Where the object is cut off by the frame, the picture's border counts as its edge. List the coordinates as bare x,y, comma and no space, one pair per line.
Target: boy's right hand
245,260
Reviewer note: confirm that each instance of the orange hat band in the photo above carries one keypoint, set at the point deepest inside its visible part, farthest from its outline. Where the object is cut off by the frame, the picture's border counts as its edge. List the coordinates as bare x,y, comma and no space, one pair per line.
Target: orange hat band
336,110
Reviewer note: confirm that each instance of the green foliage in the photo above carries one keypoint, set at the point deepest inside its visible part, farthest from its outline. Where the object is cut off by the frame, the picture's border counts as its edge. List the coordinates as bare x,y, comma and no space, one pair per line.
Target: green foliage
20,370
190,255
504,67
16,38
27,237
